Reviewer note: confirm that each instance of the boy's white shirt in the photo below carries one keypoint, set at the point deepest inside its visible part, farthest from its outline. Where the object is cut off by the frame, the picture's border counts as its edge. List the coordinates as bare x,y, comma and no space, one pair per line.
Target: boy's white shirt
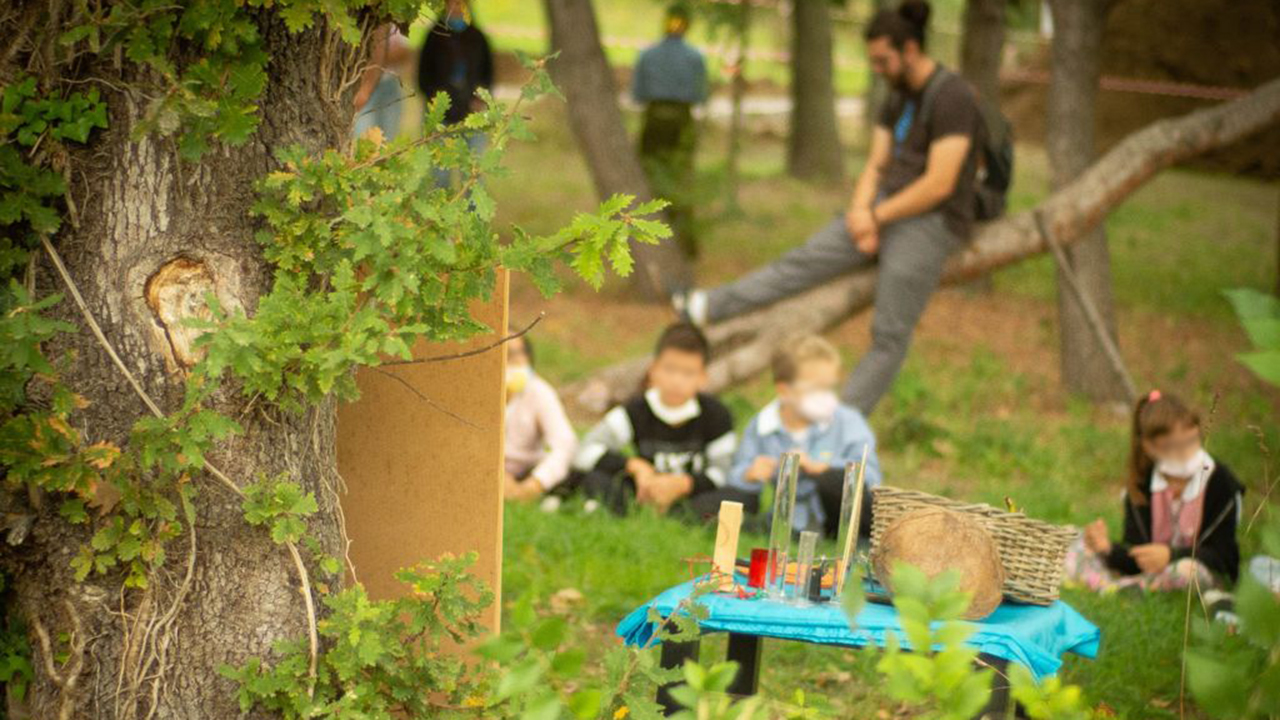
673,416
769,421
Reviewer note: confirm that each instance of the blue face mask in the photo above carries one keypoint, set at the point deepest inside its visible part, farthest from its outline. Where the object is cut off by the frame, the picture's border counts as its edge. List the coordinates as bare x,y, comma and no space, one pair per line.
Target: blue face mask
456,24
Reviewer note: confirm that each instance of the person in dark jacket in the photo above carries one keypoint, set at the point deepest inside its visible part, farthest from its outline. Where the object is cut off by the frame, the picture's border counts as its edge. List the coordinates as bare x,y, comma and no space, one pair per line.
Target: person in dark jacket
1180,510
456,60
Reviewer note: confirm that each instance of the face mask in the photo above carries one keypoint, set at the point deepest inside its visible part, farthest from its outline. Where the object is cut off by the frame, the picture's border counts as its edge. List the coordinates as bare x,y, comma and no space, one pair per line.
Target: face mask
517,378
818,406
1182,468
456,24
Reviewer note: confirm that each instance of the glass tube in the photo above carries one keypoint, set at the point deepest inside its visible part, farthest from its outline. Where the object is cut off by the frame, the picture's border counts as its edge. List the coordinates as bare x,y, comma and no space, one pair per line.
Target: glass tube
784,506
850,516
804,566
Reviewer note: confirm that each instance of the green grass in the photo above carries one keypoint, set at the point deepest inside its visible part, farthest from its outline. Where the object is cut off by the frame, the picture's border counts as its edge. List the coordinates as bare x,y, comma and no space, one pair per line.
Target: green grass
977,413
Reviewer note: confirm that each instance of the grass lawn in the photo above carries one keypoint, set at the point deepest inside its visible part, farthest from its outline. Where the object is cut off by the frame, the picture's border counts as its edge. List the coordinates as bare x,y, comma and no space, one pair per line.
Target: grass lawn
977,413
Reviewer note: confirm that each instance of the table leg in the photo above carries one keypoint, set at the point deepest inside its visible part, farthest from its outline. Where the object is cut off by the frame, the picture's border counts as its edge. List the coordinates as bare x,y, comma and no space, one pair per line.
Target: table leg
998,706
745,650
673,656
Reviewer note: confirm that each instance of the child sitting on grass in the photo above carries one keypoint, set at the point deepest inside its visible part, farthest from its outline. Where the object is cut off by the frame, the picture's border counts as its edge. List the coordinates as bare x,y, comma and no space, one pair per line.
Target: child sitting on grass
1180,510
539,441
681,439
807,417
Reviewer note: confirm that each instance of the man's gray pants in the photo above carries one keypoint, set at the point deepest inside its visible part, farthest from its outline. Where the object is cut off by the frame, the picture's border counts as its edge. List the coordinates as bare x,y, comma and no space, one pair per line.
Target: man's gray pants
911,257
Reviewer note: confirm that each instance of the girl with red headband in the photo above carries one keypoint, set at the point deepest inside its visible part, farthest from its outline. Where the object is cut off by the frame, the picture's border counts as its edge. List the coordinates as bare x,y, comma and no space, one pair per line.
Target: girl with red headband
1180,510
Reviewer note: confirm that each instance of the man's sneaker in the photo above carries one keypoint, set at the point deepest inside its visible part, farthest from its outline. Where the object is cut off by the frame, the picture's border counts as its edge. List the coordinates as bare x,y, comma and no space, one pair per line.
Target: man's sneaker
691,306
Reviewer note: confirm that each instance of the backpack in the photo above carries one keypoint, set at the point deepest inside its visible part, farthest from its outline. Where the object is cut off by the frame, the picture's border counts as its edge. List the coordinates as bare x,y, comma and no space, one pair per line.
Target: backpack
995,158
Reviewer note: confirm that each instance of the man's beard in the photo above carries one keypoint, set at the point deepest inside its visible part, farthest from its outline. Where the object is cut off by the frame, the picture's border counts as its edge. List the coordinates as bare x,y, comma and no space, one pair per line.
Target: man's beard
899,81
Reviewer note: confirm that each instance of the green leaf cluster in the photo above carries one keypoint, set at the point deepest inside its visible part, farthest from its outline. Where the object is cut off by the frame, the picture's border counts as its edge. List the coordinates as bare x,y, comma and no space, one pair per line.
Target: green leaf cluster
1235,673
34,127
382,658
281,505
939,673
371,256
1259,313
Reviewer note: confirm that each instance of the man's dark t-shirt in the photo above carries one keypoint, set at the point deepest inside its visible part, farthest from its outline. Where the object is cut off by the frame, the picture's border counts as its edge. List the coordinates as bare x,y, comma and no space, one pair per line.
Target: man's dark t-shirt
456,63
953,111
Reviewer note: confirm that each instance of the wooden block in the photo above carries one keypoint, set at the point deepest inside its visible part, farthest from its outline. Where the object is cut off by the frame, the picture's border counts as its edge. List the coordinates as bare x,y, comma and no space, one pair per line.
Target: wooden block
726,553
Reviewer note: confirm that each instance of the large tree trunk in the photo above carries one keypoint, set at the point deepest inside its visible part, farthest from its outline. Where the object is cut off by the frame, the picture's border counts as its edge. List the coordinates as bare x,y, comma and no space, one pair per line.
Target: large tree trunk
153,236
582,72
813,149
981,47
877,88
1077,67
737,95
981,50
743,345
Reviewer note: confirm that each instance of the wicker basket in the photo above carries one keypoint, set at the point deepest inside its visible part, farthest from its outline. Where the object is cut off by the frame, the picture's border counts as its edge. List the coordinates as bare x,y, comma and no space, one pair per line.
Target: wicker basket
1032,551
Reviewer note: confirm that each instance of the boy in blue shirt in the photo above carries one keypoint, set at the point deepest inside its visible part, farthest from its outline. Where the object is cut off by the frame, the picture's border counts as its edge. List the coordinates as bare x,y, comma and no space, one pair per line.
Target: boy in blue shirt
807,417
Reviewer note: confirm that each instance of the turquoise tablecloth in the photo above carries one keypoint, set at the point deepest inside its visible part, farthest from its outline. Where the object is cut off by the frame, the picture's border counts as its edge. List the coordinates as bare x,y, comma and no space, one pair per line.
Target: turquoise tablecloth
1031,635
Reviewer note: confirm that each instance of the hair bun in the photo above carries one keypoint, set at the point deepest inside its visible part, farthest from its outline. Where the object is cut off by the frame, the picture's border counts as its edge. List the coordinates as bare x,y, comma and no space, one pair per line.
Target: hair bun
916,12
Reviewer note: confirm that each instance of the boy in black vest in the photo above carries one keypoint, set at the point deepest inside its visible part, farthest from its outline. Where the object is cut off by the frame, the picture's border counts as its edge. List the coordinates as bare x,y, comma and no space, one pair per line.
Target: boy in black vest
671,444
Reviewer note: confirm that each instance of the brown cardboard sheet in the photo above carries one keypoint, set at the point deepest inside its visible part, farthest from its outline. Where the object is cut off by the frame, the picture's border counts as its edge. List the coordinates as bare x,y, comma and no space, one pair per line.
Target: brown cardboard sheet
420,482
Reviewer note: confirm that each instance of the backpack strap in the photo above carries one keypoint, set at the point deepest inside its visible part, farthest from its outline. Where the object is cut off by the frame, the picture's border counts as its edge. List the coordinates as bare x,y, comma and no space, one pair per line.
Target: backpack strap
931,87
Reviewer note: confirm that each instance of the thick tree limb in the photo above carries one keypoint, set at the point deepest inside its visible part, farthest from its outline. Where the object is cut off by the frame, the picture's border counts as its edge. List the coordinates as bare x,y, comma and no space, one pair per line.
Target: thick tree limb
743,345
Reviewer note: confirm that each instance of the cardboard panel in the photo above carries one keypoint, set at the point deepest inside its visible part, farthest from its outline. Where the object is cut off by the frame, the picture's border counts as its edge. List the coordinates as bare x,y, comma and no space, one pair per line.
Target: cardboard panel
419,481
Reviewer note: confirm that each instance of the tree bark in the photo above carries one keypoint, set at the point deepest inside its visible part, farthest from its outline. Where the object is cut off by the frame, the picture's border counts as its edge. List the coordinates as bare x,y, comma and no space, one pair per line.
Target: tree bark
877,89
743,345
813,148
148,227
1077,66
981,50
982,46
582,72
737,95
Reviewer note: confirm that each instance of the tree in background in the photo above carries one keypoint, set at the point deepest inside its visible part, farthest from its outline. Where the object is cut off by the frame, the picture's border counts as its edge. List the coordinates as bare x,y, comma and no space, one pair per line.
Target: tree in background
740,24
813,146
981,50
1077,66
877,90
582,72
982,46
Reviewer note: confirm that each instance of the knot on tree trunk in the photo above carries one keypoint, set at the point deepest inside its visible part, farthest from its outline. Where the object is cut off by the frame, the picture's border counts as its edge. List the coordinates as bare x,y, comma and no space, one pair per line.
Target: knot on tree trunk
175,293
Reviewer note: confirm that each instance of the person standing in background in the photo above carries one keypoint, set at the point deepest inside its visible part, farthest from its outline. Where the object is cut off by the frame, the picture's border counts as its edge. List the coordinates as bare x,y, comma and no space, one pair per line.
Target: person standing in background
670,78
456,60
379,99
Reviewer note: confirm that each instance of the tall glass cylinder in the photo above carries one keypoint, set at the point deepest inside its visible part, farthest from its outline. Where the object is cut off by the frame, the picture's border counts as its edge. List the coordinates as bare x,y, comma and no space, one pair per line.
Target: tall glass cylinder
850,519
804,567
784,506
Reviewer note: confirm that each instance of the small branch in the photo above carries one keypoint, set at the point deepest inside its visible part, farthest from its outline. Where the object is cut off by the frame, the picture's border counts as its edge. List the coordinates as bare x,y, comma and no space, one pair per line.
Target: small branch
1090,310
426,399
66,683
93,325
312,635
471,353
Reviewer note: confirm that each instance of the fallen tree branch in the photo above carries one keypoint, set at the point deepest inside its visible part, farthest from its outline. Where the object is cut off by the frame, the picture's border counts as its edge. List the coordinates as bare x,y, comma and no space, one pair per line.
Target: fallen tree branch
743,345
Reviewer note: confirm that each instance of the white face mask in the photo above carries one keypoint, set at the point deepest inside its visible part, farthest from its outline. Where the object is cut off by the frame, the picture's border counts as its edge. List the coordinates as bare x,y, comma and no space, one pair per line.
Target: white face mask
517,378
1183,469
818,406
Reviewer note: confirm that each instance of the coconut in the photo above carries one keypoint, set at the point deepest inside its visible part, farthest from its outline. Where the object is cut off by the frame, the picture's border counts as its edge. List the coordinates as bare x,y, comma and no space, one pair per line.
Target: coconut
936,540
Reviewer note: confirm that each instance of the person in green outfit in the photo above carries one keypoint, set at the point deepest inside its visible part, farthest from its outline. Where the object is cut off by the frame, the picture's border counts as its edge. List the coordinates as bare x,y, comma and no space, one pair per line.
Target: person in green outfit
670,78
